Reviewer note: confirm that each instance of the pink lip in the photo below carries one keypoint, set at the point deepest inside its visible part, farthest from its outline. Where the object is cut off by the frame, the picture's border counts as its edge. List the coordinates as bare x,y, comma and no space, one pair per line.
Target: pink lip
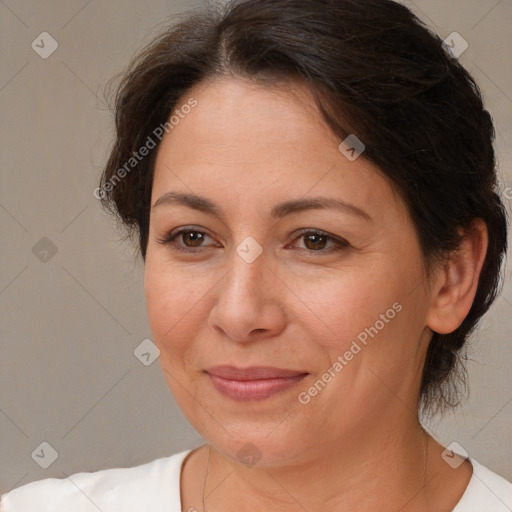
256,383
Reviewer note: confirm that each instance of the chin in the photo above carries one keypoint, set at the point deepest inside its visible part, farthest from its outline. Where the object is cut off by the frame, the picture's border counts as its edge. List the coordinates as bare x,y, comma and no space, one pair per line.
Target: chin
264,443
256,451
269,432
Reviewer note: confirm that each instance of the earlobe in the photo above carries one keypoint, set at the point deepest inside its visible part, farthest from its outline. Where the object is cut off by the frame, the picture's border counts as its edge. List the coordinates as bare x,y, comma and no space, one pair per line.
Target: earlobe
455,288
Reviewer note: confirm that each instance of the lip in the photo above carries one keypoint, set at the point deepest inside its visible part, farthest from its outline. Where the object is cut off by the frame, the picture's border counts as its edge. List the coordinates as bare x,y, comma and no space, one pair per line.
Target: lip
254,383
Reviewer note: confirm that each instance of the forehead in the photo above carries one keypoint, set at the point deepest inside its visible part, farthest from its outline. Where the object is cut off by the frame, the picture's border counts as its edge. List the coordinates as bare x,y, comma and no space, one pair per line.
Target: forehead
243,114
257,143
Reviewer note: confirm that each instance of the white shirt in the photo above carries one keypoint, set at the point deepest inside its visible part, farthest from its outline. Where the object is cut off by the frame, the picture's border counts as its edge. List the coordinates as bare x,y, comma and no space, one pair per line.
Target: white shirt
155,487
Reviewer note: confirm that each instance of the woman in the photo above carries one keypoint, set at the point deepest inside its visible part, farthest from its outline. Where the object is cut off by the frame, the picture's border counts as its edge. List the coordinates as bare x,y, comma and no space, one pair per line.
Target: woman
313,188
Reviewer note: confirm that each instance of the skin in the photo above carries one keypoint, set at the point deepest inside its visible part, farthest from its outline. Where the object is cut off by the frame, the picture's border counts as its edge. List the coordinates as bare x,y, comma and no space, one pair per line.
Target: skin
357,445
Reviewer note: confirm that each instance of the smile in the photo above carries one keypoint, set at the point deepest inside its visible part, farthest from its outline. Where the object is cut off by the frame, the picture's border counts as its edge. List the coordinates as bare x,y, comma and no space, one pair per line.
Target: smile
253,384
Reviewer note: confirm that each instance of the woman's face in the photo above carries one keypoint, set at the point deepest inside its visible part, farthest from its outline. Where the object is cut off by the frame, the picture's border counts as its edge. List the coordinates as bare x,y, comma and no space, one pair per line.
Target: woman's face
292,257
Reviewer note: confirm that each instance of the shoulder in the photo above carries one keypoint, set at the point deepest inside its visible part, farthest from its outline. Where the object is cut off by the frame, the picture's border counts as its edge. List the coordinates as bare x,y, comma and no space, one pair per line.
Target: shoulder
152,486
486,491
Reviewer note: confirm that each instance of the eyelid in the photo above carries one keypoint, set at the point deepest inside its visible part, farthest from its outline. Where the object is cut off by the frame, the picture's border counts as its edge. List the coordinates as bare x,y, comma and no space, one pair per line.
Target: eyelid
169,239
341,243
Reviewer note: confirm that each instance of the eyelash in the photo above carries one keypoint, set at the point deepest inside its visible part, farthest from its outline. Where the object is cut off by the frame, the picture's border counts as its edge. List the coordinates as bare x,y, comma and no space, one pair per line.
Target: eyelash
170,240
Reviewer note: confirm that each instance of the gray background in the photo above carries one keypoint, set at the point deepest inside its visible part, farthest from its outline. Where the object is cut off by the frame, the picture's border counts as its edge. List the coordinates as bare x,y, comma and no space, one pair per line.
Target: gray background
70,321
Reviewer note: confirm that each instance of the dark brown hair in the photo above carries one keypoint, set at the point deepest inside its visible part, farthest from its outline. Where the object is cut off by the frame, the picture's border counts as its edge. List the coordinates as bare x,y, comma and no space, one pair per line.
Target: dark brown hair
375,71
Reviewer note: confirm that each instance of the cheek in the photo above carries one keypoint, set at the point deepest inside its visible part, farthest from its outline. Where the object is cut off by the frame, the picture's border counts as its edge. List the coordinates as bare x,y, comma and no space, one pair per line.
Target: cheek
174,302
373,323
378,328
343,304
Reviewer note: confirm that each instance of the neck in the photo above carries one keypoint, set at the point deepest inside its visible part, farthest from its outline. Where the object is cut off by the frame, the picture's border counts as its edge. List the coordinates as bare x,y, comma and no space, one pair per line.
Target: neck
378,470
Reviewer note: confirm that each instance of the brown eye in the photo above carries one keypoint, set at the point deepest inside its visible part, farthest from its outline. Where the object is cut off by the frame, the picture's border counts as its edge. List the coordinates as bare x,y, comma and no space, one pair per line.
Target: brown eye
187,240
192,238
312,240
315,242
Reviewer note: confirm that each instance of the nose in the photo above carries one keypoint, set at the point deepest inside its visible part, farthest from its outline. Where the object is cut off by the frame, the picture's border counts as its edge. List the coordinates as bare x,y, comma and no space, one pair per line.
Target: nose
249,302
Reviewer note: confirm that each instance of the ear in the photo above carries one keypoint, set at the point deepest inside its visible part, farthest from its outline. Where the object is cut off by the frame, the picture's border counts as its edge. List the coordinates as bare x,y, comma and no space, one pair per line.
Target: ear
456,284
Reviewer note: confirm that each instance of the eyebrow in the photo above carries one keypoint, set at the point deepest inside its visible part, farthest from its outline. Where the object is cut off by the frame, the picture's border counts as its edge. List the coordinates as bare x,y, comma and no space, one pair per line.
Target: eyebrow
280,210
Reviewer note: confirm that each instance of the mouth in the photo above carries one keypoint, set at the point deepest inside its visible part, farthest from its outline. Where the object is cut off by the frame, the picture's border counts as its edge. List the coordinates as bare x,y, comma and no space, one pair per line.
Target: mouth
255,383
